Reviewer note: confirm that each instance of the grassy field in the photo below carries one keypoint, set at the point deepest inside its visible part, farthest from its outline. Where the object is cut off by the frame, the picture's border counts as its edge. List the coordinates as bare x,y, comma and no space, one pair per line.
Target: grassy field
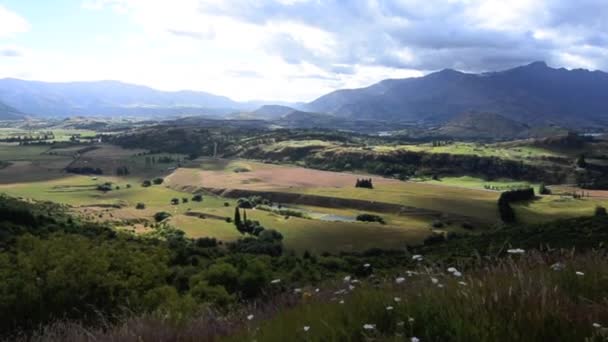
60,135
554,207
300,234
482,150
37,174
478,183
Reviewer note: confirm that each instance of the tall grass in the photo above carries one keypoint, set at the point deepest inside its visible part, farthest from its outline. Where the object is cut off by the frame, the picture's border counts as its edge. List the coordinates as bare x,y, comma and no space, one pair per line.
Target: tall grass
550,296
520,298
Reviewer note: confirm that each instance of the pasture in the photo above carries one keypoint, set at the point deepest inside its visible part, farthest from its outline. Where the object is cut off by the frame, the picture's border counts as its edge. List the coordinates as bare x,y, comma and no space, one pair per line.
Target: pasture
503,151
410,209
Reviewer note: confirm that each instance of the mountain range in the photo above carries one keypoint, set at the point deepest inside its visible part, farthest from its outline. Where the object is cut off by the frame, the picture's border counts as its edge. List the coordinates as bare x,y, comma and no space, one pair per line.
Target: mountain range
532,95
109,98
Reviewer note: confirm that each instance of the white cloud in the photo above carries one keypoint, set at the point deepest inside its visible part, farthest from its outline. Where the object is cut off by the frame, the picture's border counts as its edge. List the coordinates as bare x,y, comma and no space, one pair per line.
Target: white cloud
300,49
11,23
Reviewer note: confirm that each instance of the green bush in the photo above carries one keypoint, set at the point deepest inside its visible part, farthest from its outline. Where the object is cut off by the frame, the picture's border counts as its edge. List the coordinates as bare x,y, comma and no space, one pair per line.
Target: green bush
370,218
161,216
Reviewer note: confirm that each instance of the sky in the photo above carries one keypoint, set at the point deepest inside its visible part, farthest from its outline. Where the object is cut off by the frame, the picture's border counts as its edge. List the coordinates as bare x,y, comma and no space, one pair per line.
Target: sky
291,50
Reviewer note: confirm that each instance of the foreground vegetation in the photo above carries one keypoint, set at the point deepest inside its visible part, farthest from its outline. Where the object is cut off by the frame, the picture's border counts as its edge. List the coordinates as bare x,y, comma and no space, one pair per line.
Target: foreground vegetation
76,275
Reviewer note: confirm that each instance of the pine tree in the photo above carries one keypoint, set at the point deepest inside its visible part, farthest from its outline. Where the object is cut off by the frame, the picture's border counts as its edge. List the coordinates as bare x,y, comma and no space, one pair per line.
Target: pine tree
237,217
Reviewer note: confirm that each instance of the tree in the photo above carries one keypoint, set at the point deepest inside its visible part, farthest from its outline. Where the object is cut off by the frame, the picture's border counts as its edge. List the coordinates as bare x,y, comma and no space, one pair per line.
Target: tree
161,215
581,162
543,190
237,217
600,211
105,187
197,198
175,201
158,181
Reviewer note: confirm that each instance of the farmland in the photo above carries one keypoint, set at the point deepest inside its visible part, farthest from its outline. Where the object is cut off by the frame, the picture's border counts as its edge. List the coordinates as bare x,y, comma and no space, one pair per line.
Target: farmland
412,210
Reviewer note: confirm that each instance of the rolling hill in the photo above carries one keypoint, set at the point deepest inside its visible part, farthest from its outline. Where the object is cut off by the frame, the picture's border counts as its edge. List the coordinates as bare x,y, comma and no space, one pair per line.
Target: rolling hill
484,126
534,94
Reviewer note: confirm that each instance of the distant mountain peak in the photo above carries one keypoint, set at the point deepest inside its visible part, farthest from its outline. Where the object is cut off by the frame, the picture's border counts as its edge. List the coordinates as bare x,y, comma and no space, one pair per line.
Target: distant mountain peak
538,64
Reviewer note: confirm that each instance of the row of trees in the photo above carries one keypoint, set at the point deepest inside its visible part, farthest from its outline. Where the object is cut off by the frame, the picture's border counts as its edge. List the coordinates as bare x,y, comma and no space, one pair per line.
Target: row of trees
364,183
507,214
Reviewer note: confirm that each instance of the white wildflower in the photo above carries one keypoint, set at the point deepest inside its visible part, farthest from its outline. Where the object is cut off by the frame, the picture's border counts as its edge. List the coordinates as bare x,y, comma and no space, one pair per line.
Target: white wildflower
317,290
579,273
597,325
347,278
462,283
275,281
355,281
250,317
397,299
366,265
342,301
399,280
457,274
369,326
306,328
298,290
434,280
350,287
411,319
558,266
389,308
515,251
417,257
440,286
452,270
400,323
415,339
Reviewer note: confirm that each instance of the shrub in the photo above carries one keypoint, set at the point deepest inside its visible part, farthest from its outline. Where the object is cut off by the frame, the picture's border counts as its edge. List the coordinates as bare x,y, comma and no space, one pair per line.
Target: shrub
244,203
175,201
158,181
161,216
434,239
140,206
543,190
437,224
370,218
184,200
197,198
146,183
600,211
105,187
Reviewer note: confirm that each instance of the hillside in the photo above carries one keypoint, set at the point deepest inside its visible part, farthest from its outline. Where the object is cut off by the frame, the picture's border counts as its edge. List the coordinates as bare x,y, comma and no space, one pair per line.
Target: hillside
269,112
534,94
483,126
9,113
109,98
